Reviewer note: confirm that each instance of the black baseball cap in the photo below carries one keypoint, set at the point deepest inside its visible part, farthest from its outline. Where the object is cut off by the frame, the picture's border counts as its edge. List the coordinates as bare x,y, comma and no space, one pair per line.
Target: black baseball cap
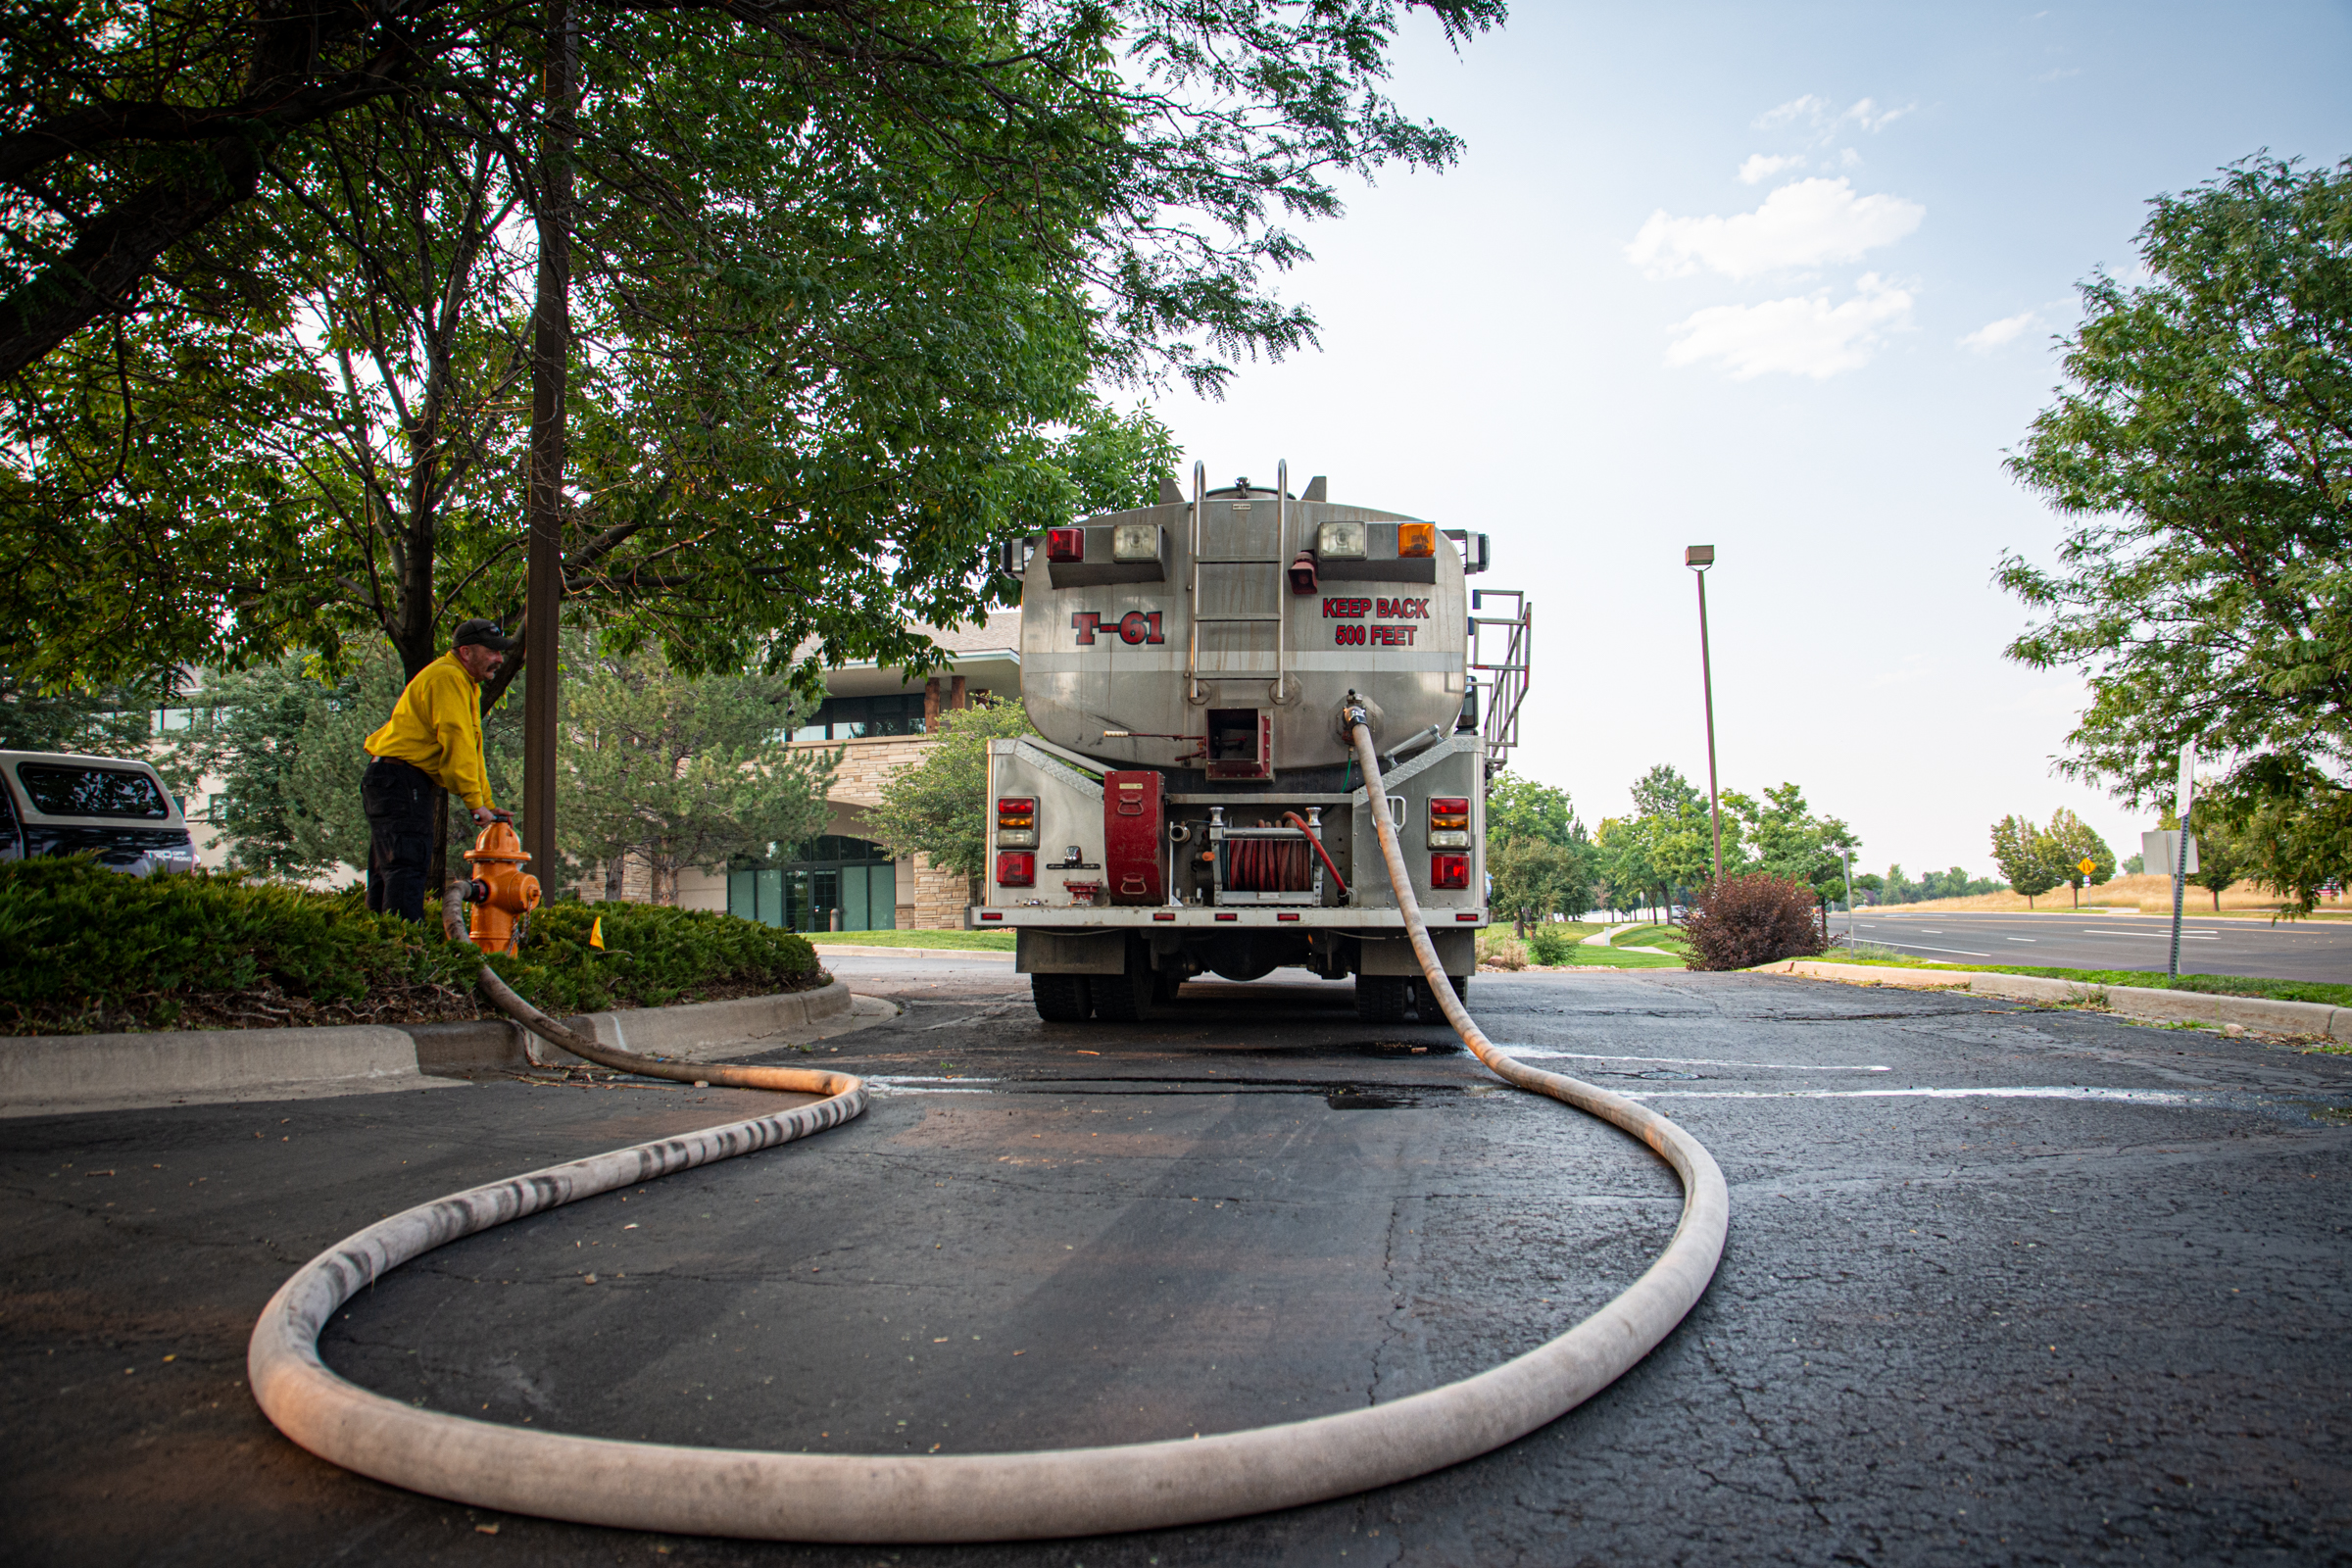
484,634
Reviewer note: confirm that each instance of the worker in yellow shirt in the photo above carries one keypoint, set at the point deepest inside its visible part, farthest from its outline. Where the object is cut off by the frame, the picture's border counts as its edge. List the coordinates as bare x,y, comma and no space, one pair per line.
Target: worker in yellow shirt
433,742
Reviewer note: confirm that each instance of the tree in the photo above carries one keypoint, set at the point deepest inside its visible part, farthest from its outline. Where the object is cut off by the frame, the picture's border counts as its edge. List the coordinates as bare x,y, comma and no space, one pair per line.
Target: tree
2203,454
2028,856
939,806
680,771
1519,807
2072,842
1789,841
2224,857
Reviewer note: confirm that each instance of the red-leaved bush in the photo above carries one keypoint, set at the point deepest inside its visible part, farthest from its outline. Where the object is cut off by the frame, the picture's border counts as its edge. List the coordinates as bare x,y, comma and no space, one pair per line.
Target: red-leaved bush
1743,921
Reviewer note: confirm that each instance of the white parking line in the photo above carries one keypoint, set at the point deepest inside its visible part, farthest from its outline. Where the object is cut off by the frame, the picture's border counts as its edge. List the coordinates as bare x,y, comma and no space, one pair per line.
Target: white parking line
1687,1062
2132,1097
930,1086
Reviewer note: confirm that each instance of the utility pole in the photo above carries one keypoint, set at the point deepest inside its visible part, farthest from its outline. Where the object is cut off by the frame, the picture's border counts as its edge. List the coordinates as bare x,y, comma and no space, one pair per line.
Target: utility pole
551,357
1699,558
1845,854
2180,805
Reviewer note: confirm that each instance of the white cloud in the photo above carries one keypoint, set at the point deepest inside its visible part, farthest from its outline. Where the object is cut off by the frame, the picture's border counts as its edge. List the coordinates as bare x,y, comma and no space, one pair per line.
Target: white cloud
1847,158
1870,116
1763,165
1801,225
1818,113
1802,336
1808,109
1993,334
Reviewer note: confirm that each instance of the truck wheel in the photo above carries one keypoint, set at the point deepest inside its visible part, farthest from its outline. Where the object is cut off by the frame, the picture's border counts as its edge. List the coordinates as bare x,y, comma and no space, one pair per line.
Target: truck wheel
1128,998
1382,997
1061,998
1166,983
1425,1001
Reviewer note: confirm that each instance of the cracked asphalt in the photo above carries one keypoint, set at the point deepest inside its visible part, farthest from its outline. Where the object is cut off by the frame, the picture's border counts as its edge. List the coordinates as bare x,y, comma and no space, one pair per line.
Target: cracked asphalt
2003,1284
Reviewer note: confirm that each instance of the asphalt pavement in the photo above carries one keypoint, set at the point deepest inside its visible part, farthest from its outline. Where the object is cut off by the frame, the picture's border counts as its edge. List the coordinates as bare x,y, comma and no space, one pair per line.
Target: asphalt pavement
2003,1284
2287,949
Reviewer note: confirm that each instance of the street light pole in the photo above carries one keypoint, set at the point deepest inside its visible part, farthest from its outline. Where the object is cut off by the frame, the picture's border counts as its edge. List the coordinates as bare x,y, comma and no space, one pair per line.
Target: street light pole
1699,558
2180,803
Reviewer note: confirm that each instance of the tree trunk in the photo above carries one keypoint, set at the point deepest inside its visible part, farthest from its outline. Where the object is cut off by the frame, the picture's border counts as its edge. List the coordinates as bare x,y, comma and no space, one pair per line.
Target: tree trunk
551,352
616,874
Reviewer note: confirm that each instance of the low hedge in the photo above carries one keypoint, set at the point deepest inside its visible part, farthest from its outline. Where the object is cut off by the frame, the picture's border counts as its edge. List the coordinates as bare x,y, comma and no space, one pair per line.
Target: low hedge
85,950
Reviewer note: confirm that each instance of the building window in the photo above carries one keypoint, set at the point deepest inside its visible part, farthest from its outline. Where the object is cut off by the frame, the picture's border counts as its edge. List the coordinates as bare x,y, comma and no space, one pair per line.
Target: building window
849,718
801,887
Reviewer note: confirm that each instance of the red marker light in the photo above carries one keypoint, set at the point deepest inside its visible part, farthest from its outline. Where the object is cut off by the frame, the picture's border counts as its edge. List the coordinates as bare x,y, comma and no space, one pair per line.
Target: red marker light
1066,544
1449,870
1016,869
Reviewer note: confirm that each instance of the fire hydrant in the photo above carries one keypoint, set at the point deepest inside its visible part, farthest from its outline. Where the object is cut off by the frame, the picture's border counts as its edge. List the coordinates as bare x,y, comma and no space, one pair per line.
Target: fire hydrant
501,892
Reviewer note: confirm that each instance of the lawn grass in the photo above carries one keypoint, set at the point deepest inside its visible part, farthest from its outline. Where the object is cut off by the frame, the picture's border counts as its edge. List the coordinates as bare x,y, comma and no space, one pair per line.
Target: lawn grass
2212,985
966,940
1669,937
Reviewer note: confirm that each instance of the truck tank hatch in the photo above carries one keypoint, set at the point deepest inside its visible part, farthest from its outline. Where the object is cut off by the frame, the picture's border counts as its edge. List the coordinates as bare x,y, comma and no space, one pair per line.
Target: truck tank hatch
1240,742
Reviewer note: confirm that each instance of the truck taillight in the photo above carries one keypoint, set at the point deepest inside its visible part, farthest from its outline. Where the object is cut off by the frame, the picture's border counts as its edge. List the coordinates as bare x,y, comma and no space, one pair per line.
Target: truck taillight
1449,822
1444,871
1017,823
1017,868
1416,539
1066,544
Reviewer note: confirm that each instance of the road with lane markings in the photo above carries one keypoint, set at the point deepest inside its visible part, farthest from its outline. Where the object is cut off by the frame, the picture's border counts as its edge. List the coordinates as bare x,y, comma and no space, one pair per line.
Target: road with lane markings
2319,948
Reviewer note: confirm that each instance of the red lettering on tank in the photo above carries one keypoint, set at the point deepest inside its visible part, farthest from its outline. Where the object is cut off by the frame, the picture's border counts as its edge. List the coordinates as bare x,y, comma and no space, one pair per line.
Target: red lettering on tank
1084,623
1140,626
1347,609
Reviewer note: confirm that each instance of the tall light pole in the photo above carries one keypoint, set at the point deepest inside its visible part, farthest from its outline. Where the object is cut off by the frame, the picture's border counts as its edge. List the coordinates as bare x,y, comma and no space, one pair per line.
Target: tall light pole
1699,558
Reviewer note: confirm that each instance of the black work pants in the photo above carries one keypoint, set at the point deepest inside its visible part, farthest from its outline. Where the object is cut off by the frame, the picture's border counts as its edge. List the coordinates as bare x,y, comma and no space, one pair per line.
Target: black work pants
400,800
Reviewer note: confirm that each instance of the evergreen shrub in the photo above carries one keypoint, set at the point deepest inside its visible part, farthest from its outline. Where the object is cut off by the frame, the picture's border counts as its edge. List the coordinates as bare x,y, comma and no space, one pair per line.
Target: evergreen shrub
1743,921
1548,944
86,950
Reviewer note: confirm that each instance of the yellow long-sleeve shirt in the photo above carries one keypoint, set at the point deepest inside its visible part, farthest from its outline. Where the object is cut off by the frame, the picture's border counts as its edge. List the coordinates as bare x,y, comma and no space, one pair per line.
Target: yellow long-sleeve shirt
437,727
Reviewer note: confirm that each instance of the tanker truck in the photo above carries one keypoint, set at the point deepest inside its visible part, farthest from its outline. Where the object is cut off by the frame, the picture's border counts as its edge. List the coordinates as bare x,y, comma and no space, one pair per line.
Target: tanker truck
1191,802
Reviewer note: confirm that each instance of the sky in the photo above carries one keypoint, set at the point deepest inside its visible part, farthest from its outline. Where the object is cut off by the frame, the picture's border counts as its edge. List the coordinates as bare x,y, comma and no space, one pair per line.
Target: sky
1786,280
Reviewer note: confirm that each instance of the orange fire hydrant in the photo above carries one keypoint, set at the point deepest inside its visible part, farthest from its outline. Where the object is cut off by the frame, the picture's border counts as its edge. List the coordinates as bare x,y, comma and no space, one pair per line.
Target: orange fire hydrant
501,892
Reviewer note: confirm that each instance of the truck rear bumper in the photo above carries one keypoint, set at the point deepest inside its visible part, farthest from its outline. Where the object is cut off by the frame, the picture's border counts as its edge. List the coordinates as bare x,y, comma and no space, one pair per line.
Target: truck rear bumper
1204,919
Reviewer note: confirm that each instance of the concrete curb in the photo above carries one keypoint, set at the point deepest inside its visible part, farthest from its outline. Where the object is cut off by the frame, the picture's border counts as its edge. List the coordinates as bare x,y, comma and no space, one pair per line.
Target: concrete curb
869,952
44,1075
49,1075
704,1030
2133,1001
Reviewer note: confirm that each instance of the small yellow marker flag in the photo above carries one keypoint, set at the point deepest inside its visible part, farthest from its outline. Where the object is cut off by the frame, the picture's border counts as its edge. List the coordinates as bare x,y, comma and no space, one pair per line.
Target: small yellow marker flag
595,934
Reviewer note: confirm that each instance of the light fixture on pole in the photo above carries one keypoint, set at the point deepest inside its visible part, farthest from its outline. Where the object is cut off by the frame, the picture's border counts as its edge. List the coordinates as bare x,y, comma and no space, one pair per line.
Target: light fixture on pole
1699,558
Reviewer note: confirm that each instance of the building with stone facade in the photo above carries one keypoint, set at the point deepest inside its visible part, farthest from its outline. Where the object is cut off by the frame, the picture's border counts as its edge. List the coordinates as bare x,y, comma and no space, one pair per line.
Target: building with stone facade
879,720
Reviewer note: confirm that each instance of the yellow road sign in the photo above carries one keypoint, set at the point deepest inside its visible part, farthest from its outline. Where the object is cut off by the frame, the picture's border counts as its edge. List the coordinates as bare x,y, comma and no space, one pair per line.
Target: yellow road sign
2086,865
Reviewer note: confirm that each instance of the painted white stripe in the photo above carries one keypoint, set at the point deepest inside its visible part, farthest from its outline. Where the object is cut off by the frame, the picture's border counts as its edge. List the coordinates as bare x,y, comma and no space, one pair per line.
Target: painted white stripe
930,1086
1921,946
2132,1096
1688,1061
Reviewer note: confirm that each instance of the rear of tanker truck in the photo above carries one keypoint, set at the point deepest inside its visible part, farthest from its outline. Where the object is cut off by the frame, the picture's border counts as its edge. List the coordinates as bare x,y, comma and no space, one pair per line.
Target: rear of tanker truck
1190,802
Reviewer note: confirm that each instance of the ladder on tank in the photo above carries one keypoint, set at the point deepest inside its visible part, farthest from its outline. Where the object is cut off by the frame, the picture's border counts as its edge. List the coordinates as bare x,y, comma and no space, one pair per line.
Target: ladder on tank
1280,669
1506,672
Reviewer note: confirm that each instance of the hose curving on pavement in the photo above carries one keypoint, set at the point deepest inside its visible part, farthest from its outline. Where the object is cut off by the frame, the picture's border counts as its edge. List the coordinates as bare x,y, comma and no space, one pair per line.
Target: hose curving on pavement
944,1498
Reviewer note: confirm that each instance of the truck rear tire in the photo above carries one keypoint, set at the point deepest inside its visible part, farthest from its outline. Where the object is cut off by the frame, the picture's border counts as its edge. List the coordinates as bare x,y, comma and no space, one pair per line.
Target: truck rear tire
1425,1001
1061,998
1382,998
1128,998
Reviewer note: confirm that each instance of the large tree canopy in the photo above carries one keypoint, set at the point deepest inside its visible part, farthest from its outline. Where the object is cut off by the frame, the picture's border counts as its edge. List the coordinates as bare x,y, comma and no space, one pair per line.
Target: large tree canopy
2203,452
844,275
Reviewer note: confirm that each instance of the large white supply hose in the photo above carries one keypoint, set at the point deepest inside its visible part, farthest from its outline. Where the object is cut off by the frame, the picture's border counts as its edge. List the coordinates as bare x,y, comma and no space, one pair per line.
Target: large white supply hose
945,1498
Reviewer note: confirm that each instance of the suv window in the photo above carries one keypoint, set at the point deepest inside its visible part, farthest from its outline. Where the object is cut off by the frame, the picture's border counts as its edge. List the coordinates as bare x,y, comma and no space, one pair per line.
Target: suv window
56,790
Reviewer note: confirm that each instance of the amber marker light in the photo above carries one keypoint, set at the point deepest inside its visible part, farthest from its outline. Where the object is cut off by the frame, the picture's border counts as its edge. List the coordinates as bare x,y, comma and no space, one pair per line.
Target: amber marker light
1416,539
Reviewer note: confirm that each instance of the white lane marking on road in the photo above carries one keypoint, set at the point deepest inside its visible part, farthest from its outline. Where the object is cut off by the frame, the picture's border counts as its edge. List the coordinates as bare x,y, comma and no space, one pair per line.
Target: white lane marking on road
2020,939
2135,1097
1923,948
1689,1062
930,1086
